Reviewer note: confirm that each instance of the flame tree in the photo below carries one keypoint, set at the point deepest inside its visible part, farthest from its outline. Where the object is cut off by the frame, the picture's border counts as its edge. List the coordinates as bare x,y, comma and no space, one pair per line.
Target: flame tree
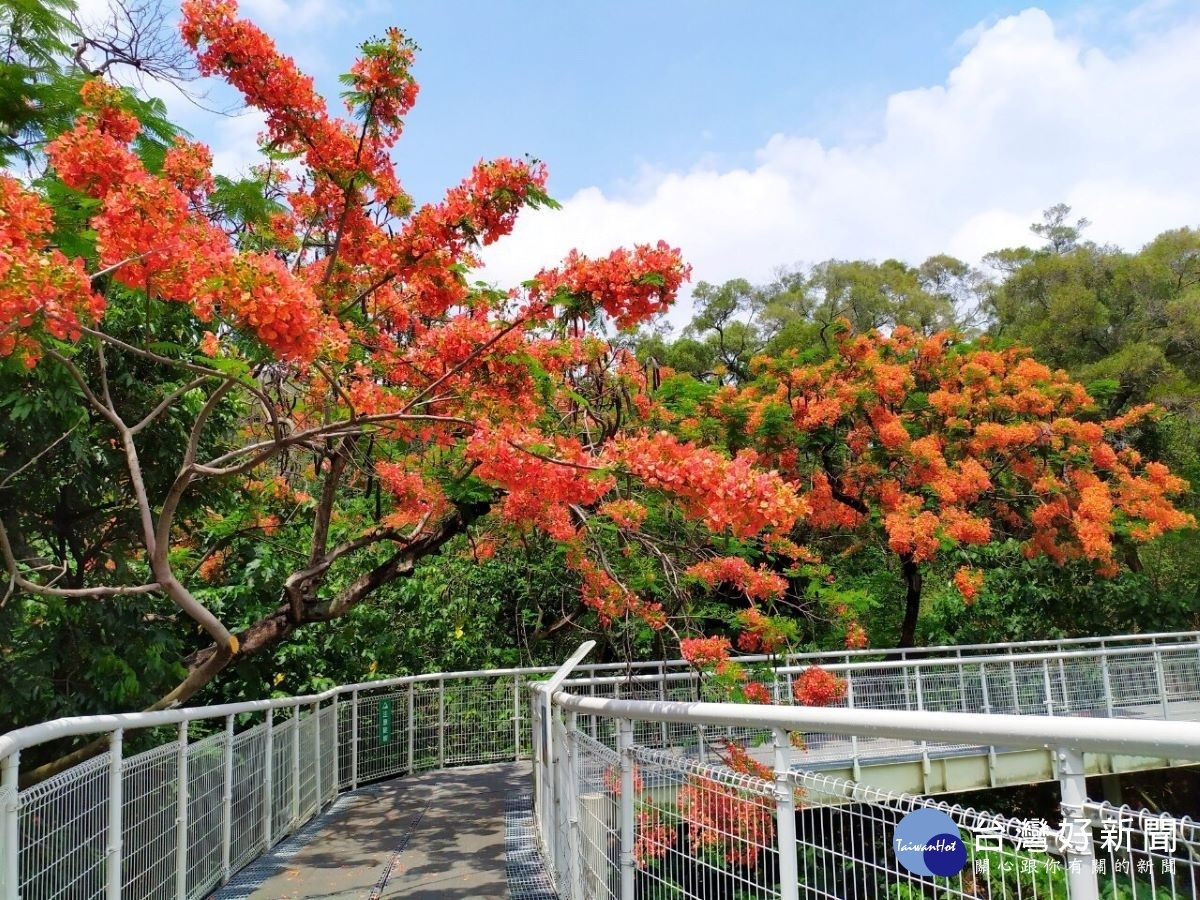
321,373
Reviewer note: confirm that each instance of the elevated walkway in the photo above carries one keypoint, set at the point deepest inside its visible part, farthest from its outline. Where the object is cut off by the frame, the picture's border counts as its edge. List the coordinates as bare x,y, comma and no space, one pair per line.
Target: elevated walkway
290,797
435,836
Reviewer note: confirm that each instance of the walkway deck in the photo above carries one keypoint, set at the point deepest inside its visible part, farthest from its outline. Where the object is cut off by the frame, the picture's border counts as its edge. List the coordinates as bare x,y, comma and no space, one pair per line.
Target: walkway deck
437,835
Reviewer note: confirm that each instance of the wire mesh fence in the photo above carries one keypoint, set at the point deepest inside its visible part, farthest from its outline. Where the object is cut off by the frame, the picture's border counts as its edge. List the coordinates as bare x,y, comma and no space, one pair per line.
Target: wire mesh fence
1145,855
700,830
63,833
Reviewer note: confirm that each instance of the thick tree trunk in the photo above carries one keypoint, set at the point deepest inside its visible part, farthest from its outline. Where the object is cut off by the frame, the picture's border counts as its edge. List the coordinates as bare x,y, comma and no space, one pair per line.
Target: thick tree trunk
911,573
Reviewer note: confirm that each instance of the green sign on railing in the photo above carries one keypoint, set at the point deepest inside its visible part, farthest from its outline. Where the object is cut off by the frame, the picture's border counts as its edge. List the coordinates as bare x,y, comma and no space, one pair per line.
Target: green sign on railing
385,721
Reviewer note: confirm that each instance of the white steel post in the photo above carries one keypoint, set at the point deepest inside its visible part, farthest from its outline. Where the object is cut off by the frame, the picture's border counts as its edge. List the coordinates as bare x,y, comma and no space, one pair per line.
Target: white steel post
1046,687
10,871
625,748
987,708
337,746
662,695
354,740
1108,697
962,684
269,780
295,765
227,800
571,783
115,810
562,867
441,723
181,814
785,814
925,765
516,717
1072,780
1160,675
412,721
549,812
857,766
315,711
539,775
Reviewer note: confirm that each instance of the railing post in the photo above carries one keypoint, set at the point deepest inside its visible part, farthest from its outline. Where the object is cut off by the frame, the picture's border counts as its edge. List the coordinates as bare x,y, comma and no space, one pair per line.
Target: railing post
314,710
536,716
662,695
516,717
337,746
1012,672
10,874
412,721
562,838
926,767
181,814
295,765
269,780
1072,780
544,751
1160,675
571,784
857,766
227,800
1108,697
987,708
441,723
112,865
354,740
962,683
785,816
1047,688
625,748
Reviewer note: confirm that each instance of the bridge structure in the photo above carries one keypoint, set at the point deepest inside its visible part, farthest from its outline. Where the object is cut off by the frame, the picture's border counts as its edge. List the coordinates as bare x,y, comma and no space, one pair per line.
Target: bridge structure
612,781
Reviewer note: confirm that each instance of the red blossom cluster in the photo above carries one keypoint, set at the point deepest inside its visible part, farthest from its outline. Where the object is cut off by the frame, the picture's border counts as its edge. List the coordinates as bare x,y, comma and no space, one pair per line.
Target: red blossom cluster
755,692
757,583
654,837
818,687
856,637
611,600
40,289
947,448
629,285
724,493
705,653
152,237
761,633
541,480
969,582
738,758
415,498
733,823
628,514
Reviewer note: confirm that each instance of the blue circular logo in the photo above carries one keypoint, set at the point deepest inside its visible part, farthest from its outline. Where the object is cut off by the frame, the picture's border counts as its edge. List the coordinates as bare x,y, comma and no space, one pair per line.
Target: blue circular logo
927,842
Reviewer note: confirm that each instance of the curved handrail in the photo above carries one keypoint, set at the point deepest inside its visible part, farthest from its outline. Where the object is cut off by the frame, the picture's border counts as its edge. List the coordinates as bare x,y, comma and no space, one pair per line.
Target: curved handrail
1160,740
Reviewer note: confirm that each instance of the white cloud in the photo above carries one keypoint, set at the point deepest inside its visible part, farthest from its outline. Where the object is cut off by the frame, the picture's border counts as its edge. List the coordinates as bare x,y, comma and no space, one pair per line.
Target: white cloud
1029,117
235,143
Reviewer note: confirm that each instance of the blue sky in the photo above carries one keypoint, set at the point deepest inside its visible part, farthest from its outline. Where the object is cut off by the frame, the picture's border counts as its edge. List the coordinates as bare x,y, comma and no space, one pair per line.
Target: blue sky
599,90
766,134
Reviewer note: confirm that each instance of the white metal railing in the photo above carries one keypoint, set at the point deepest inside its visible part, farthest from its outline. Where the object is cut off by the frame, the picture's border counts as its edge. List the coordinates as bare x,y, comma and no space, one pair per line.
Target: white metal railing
630,819
183,798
